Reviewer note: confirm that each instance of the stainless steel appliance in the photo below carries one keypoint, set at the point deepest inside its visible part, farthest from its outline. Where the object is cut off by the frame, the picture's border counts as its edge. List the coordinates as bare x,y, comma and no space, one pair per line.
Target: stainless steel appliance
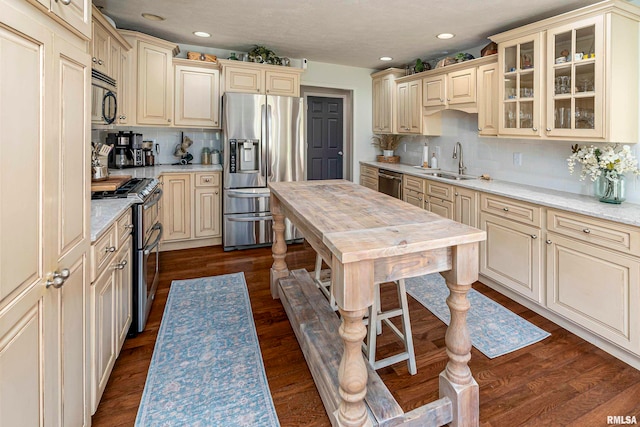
390,183
146,236
104,103
263,143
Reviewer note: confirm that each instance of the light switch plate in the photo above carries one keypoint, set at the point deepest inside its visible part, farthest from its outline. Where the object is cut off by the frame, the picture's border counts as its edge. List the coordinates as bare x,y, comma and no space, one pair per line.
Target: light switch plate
517,159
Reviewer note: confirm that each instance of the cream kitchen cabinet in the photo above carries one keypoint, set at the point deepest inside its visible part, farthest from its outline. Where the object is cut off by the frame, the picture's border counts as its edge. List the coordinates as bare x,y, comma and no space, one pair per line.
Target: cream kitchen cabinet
413,190
197,94
593,275
369,177
124,87
150,94
589,67
254,78
100,48
75,15
384,98
487,93
465,206
440,198
512,254
409,107
191,209
44,221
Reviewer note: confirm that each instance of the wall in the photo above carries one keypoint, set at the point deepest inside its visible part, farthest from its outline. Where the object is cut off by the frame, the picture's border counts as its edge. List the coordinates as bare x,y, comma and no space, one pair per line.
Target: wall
544,163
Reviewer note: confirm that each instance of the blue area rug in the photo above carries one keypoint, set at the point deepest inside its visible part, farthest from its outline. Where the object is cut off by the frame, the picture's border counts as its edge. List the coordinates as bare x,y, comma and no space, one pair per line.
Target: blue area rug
494,330
207,368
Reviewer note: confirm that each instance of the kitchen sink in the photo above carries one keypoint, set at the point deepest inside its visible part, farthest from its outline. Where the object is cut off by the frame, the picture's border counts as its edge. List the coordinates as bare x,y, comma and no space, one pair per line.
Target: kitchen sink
450,175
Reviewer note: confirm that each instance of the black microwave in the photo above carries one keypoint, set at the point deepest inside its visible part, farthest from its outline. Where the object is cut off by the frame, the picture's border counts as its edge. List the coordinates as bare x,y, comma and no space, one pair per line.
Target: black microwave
104,102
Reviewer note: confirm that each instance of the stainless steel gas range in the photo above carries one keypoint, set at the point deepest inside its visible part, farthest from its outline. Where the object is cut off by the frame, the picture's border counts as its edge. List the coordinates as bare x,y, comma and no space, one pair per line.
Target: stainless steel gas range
146,236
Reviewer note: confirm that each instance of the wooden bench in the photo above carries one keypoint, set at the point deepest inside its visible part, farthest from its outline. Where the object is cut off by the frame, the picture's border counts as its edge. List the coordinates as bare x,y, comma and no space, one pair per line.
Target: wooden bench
316,325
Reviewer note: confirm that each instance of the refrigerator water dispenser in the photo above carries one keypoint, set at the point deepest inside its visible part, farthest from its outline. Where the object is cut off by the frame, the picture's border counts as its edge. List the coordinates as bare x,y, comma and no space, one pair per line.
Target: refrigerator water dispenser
244,155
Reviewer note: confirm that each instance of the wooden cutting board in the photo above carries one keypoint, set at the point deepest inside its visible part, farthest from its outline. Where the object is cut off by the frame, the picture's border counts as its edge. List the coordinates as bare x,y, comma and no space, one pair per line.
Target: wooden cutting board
110,184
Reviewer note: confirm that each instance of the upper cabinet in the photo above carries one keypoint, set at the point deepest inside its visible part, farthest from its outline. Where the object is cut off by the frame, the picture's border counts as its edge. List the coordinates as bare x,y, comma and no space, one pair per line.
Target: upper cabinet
150,95
486,90
409,111
384,98
100,48
588,62
75,15
106,46
197,93
249,77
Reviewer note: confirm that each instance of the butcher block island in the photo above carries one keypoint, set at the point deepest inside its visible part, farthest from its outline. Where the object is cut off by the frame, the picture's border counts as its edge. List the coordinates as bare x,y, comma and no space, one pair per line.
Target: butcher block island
366,238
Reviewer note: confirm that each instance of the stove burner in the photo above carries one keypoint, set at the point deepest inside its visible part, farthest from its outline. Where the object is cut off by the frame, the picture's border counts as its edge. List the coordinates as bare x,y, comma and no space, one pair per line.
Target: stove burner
135,187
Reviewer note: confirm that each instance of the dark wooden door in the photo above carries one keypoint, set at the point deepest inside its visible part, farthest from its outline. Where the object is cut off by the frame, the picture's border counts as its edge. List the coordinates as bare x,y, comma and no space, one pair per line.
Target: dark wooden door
325,138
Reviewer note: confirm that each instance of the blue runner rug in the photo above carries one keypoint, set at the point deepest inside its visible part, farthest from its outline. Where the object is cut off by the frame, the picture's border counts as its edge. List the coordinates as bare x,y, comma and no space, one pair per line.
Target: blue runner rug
207,368
494,330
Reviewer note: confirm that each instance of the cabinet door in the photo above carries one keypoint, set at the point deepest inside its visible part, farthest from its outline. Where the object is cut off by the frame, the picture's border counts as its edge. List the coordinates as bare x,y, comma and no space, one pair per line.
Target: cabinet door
369,182
596,288
124,293
208,215
124,87
402,110
511,255
114,63
466,206
575,79
520,92
282,83
487,89
100,49
444,208
176,206
414,110
433,90
378,101
413,198
155,85
461,86
197,97
240,79
76,13
103,294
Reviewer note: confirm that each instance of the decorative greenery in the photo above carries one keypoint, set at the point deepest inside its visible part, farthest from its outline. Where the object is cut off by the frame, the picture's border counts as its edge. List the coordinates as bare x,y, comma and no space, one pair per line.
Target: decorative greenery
610,161
419,67
386,141
262,54
461,57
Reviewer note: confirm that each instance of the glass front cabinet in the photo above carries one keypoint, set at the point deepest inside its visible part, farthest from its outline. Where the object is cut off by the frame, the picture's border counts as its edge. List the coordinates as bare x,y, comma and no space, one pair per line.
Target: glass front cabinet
520,92
575,81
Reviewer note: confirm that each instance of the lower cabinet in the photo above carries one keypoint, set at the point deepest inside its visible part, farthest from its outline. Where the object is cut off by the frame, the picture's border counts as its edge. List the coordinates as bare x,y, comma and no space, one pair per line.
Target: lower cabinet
512,255
413,190
369,177
111,304
440,199
465,206
191,209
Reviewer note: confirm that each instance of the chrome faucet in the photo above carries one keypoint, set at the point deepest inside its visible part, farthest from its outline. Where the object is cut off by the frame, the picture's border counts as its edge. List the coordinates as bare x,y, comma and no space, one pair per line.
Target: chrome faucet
461,166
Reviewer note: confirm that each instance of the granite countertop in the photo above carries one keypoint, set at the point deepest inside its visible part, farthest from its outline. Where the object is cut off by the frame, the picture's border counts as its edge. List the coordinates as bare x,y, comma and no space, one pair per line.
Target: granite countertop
105,212
627,213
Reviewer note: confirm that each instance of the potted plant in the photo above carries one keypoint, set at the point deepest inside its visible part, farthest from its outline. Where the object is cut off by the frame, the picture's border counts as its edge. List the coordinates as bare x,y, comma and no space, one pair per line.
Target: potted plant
387,143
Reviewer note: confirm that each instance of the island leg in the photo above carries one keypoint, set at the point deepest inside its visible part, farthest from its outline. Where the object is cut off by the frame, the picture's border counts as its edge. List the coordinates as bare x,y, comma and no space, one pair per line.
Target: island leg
456,381
279,269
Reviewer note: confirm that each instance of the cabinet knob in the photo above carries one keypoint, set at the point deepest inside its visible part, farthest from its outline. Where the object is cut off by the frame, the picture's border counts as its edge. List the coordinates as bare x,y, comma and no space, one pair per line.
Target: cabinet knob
479,129
586,230
534,129
121,265
65,2
448,99
420,198
110,249
548,242
207,180
215,192
169,120
441,100
548,129
128,226
257,90
58,278
100,62
505,209
533,236
94,59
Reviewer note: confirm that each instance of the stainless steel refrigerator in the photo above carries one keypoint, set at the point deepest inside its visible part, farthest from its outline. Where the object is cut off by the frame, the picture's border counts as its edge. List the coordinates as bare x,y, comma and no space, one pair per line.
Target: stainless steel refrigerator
263,142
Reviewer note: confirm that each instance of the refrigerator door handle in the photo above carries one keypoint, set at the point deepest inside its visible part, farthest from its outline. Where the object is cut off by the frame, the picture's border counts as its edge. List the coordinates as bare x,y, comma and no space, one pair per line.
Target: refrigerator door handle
248,195
266,155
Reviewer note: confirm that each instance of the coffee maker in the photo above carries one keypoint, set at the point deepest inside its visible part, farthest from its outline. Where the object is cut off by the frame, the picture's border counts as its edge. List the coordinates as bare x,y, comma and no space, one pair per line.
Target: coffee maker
135,139
122,155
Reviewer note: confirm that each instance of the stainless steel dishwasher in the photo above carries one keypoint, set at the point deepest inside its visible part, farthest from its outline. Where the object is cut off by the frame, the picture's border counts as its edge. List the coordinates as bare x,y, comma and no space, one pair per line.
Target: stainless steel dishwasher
390,183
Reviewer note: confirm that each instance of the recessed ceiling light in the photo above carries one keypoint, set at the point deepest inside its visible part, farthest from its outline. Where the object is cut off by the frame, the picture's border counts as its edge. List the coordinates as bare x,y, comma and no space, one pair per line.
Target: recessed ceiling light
445,36
201,34
385,58
152,17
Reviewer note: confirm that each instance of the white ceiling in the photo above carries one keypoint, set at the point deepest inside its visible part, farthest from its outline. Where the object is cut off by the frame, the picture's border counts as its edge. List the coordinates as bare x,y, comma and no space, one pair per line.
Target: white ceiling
347,32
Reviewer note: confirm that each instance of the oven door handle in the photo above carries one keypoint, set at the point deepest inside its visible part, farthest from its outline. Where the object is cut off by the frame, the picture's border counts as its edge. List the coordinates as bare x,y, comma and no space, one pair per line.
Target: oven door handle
250,219
152,246
154,200
248,195
384,175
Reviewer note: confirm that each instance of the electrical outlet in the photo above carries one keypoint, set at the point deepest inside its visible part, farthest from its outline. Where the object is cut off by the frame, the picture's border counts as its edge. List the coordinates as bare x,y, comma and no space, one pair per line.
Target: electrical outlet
436,150
517,159
405,147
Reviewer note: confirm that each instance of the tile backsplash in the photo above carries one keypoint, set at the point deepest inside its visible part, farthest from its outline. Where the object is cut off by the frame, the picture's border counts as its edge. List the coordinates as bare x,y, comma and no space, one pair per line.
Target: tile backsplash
167,140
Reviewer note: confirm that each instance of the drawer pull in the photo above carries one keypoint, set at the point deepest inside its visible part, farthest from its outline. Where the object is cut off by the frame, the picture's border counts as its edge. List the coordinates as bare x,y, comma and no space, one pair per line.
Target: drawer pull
549,242
587,231
505,209
121,265
456,193
533,236
58,278
110,249
128,226
206,179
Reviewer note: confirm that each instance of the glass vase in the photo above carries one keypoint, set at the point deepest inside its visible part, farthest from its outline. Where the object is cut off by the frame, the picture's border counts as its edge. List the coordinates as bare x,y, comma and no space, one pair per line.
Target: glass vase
610,191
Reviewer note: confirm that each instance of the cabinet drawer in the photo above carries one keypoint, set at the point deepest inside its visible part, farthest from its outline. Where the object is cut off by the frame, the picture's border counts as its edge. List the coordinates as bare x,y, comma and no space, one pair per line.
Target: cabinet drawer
124,226
604,233
413,183
102,252
508,208
440,190
444,208
207,179
415,198
369,182
369,171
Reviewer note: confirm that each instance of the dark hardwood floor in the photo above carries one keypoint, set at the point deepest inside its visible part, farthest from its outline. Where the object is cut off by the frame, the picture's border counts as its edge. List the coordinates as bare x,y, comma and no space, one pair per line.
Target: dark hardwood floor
560,381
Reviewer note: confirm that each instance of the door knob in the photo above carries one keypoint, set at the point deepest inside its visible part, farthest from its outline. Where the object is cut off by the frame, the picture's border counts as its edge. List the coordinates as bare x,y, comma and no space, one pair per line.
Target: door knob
339,153
58,278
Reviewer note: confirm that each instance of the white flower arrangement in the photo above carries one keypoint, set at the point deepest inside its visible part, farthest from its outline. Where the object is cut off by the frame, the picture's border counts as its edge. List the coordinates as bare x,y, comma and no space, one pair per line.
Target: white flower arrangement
611,160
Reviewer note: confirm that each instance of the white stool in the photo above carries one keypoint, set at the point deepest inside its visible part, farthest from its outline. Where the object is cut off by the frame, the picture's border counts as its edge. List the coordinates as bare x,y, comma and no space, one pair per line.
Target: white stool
324,285
376,315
